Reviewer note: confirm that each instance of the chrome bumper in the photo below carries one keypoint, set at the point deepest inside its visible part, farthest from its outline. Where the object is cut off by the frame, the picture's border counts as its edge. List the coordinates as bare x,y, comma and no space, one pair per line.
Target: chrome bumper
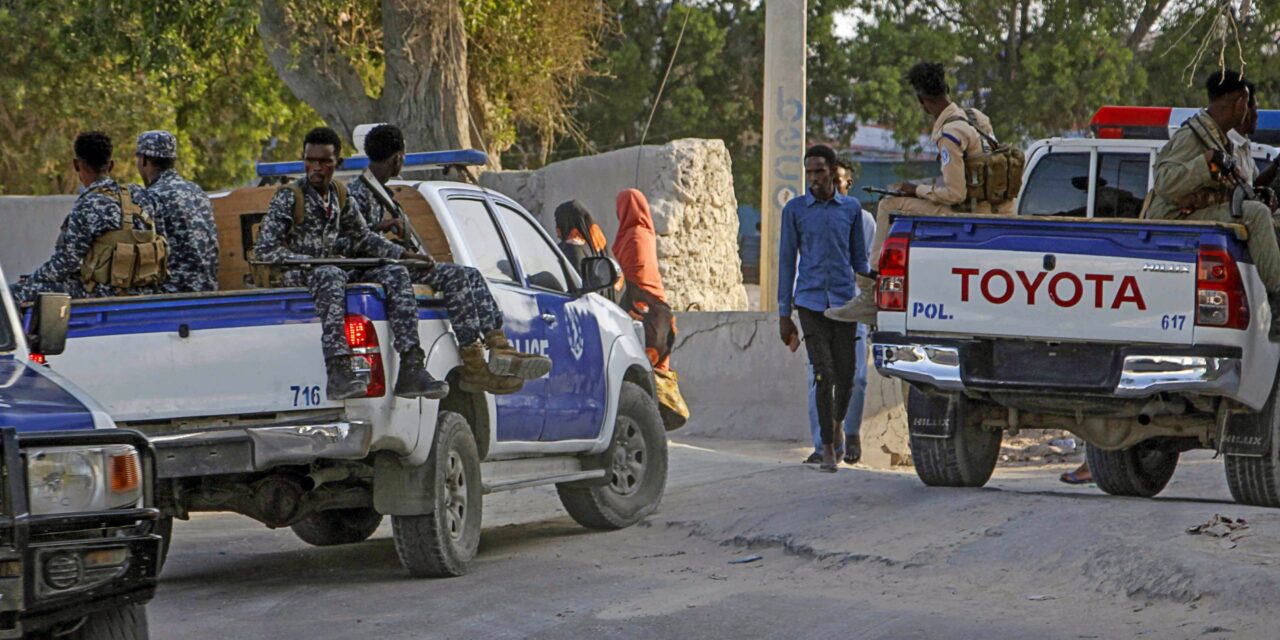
249,449
1141,375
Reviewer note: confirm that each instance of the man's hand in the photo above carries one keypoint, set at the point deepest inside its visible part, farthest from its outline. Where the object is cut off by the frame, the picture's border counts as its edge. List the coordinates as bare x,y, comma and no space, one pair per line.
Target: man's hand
392,224
787,331
907,188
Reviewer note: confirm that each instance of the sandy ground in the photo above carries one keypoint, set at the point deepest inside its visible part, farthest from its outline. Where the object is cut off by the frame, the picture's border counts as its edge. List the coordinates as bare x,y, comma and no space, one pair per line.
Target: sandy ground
861,554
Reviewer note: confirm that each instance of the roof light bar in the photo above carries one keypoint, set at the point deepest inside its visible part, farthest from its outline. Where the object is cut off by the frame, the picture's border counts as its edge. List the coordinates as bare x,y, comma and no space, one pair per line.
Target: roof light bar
421,160
1159,123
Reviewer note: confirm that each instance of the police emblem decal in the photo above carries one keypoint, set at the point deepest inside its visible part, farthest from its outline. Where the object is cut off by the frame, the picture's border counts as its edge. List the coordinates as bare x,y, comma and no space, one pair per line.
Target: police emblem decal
577,344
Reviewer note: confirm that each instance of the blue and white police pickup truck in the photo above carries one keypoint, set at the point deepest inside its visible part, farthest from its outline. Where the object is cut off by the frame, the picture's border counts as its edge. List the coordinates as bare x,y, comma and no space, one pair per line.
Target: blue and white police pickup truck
79,553
229,387
1144,338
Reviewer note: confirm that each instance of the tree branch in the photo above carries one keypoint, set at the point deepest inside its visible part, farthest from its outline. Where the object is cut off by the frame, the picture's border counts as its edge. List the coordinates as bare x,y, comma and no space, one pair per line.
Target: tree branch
1151,11
318,74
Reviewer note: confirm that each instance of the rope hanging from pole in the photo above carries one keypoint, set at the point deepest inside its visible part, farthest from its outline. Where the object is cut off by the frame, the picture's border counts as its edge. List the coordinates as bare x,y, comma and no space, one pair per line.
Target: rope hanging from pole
661,87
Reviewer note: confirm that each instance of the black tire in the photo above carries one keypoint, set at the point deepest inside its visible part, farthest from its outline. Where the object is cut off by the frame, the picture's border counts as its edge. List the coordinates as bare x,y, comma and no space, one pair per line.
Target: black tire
638,471
1142,470
125,623
443,543
967,458
337,526
1255,480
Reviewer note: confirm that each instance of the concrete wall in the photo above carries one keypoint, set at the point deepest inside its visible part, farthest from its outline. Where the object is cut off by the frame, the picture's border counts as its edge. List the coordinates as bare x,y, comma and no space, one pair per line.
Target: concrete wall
741,382
28,228
689,184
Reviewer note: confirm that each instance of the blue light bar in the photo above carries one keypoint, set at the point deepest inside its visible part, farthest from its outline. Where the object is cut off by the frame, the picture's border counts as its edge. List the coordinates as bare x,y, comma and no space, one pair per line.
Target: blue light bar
1268,127
420,160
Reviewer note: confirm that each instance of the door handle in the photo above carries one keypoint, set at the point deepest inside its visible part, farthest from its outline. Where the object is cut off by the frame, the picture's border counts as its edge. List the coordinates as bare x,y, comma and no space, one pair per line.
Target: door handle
549,318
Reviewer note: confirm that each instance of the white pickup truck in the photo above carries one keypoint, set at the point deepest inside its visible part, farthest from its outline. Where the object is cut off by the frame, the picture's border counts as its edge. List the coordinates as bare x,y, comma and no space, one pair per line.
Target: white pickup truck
229,388
1144,338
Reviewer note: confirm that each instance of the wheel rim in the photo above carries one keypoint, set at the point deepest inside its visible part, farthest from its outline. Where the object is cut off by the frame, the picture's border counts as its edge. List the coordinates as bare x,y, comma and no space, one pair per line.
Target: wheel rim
629,458
455,507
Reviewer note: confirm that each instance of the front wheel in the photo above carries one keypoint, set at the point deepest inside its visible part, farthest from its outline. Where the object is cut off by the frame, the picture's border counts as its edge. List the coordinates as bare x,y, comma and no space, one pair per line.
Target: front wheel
443,543
637,460
1142,470
949,446
128,622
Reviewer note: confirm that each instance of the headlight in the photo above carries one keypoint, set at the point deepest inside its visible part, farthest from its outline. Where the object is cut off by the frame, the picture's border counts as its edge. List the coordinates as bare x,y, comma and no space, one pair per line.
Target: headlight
78,479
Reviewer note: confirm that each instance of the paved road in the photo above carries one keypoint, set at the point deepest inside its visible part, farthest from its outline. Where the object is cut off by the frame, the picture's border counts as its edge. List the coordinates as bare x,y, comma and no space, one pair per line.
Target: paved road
862,554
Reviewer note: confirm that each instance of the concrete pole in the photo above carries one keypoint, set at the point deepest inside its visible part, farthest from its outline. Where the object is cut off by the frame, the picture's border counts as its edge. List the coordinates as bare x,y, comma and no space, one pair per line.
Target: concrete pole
782,176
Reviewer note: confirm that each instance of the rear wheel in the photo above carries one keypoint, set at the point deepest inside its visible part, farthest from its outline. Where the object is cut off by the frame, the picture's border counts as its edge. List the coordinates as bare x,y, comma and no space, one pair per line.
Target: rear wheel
1142,470
967,457
444,542
637,461
124,623
1255,480
337,526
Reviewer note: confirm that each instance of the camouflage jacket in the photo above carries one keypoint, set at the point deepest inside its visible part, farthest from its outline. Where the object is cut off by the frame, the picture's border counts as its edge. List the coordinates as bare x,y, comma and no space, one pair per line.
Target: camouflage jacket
185,214
323,224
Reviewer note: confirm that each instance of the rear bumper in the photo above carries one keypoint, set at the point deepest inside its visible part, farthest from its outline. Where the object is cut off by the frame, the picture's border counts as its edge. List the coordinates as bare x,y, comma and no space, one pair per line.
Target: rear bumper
1119,371
249,449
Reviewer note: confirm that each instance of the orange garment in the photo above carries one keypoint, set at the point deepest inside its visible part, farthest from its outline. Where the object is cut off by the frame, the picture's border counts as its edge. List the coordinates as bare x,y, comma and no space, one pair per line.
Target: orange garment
636,245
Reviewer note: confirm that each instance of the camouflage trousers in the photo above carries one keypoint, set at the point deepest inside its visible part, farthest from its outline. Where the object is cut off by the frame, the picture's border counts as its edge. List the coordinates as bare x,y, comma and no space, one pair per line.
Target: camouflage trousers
26,289
328,285
472,310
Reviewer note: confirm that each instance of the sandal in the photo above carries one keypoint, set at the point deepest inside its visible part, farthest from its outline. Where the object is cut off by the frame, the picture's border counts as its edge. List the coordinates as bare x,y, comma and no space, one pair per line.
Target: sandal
1071,477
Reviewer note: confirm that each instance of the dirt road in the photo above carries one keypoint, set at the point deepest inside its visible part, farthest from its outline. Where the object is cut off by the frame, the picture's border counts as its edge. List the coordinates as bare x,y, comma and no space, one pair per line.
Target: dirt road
861,554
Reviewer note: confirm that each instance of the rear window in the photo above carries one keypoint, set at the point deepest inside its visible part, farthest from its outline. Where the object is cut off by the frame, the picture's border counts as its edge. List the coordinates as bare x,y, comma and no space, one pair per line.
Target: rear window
1058,186
1122,184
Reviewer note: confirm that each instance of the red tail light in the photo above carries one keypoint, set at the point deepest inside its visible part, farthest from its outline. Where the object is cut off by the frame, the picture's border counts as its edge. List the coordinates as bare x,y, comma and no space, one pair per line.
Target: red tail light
363,339
37,358
891,286
1220,297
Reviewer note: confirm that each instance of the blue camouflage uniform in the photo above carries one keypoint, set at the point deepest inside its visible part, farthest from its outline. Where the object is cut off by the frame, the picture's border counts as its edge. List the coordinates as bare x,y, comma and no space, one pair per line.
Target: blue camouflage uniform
317,236
185,214
93,214
473,312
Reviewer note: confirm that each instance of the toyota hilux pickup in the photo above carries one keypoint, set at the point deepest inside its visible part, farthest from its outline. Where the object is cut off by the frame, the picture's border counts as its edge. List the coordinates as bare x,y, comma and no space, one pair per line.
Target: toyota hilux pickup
78,549
229,387
1144,338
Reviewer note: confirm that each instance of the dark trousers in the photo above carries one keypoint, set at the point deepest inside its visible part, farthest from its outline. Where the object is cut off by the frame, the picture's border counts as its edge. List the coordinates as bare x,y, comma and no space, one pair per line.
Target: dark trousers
831,352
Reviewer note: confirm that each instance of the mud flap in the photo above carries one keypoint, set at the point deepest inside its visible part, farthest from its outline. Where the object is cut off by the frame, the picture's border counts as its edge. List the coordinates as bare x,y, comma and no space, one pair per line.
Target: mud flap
933,415
1247,434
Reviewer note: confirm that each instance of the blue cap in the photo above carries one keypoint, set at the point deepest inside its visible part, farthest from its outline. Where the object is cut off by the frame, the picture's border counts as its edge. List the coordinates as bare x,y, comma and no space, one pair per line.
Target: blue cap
157,144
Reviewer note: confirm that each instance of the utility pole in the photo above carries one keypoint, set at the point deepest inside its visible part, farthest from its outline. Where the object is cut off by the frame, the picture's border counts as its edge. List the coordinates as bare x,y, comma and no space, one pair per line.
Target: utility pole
782,176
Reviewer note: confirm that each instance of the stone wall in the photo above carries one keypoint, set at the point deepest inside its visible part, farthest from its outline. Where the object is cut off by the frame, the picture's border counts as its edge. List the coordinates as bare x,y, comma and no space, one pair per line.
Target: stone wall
741,383
28,228
689,184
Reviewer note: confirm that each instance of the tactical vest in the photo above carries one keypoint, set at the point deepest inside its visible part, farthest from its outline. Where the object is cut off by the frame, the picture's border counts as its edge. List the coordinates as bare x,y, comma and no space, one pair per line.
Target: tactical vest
995,175
265,275
126,257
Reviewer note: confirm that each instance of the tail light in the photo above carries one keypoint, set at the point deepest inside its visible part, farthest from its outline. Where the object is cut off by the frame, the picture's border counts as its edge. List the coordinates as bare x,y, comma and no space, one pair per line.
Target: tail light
365,354
891,286
1220,297
37,358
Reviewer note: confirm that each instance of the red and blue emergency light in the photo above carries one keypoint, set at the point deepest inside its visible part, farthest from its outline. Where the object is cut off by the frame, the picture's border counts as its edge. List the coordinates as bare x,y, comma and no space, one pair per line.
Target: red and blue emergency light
1158,123
422,161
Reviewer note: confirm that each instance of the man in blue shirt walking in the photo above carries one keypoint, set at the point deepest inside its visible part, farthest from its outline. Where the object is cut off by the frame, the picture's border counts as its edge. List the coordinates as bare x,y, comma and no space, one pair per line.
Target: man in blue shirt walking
820,249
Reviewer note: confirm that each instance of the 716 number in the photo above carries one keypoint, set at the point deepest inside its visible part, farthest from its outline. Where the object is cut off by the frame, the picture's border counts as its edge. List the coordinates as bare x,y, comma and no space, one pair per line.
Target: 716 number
304,396
1175,323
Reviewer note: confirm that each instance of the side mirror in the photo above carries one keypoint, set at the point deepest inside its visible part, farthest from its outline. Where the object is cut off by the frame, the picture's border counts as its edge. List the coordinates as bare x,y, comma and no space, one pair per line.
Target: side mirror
51,315
599,273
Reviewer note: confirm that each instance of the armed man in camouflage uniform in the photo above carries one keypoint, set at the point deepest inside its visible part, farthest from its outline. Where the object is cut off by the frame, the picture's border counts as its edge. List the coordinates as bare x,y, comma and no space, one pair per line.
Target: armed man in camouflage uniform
323,222
1195,177
473,312
97,211
183,211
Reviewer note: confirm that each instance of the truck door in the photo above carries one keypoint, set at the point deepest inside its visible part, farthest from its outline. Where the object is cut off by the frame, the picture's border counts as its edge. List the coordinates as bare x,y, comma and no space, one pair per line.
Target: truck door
575,388
520,415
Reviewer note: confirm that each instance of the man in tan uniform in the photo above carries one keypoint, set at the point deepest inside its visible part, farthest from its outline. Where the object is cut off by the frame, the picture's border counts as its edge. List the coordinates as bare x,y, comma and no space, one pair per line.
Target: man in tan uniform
955,131
1195,179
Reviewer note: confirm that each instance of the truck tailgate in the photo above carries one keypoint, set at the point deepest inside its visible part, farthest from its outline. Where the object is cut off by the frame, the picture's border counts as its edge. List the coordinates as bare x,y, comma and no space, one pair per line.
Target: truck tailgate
1041,279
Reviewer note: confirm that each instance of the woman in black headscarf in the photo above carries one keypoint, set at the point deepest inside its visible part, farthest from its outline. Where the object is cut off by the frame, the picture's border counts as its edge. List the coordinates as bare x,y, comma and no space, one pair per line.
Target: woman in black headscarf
579,235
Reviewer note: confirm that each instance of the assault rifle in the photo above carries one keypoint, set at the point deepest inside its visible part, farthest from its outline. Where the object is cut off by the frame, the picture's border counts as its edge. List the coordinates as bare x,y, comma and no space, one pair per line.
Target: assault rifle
345,263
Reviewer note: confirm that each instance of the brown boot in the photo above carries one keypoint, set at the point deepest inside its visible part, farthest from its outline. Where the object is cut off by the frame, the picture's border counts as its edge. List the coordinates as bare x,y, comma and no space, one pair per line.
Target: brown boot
476,377
504,360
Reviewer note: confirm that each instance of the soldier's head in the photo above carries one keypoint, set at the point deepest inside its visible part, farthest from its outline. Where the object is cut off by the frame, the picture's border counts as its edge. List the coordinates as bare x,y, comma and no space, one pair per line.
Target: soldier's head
155,153
385,147
93,156
321,156
820,171
1228,98
929,80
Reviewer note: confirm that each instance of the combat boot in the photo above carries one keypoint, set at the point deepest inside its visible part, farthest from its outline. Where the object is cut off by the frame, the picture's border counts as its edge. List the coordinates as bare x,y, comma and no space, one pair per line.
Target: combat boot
344,382
476,377
860,309
504,360
413,380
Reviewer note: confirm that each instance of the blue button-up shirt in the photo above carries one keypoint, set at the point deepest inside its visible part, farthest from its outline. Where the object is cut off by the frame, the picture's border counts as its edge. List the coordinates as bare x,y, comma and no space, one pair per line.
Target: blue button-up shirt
832,245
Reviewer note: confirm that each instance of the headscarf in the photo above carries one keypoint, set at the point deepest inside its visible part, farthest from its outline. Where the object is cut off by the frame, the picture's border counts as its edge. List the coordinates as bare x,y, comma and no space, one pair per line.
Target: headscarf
574,222
636,245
